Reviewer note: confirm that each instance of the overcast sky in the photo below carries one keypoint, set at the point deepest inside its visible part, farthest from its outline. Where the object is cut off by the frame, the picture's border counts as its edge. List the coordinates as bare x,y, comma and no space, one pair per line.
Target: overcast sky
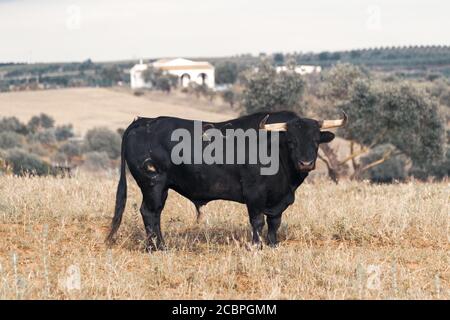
61,30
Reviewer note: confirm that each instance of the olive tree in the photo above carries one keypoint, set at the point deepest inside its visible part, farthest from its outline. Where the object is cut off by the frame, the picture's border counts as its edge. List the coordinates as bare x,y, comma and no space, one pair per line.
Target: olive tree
391,113
226,72
339,80
397,114
268,90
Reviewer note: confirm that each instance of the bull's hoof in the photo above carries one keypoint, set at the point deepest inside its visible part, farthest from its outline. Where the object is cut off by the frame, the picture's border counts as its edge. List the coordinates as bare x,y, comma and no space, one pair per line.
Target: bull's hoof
254,246
272,244
155,247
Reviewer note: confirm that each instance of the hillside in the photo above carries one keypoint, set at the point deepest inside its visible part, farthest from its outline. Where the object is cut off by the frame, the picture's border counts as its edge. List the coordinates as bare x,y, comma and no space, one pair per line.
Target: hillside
86,108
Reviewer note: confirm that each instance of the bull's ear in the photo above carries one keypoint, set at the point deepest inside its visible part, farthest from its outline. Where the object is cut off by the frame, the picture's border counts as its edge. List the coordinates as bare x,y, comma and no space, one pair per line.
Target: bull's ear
326,136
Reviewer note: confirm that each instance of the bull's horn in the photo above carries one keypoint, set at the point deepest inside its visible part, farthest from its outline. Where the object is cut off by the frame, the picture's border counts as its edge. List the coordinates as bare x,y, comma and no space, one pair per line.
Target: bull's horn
280,126
328,124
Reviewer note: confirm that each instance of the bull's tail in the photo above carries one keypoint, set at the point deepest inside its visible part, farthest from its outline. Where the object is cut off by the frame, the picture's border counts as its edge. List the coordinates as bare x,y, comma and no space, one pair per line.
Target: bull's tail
121,194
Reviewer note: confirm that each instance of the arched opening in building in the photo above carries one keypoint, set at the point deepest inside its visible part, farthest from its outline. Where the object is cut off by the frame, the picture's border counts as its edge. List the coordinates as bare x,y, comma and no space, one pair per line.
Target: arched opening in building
201,79
185,79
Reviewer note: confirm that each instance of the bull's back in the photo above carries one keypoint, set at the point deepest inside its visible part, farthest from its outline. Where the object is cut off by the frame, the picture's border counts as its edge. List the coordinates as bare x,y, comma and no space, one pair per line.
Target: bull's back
149,141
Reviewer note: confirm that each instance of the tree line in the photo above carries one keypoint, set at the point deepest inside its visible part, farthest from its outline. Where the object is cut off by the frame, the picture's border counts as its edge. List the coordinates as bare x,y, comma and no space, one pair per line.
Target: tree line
407,61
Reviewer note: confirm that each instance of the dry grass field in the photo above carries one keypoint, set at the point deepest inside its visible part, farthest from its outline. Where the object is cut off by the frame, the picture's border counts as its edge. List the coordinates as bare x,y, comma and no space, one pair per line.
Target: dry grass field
348,241
86,108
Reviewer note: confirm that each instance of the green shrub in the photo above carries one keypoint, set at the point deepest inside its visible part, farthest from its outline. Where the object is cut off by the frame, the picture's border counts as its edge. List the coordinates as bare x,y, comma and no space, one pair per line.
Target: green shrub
70,149
13,124
24,163
42,121
60,158
95,161
38,149
64,132
46,137
103,140
10,139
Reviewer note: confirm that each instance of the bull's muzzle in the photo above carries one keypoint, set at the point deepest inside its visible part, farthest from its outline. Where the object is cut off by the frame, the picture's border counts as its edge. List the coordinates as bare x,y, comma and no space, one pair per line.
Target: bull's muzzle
306,165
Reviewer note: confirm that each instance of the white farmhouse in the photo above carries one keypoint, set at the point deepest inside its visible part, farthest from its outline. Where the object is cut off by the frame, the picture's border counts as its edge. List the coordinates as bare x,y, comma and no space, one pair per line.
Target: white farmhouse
187,71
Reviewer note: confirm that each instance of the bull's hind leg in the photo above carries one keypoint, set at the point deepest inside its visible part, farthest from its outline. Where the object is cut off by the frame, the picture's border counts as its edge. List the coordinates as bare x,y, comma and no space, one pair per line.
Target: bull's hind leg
152,205
199,210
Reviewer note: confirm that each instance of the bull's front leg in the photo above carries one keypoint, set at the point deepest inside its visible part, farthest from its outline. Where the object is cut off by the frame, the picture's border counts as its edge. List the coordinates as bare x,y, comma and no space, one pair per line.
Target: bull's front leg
257,223
274,215
273,223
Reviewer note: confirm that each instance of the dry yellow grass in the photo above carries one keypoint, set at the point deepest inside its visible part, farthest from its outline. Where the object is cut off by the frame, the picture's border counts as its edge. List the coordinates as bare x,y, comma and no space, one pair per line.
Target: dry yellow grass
86,108
352,240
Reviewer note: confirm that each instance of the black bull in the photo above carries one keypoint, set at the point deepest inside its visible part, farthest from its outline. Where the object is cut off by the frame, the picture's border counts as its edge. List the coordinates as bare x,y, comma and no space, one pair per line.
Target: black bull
146,149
